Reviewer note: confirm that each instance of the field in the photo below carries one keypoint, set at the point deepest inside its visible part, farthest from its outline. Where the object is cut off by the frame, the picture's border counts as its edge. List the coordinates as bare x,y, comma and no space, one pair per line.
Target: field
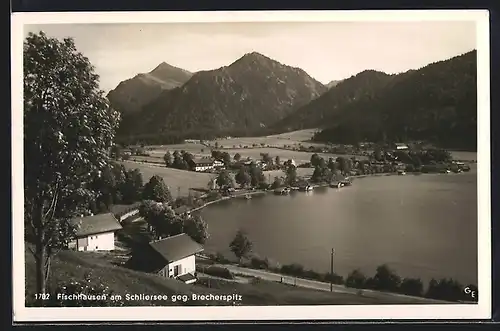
298,157
179,181
289,138
244,146
193,148
156,155
69,265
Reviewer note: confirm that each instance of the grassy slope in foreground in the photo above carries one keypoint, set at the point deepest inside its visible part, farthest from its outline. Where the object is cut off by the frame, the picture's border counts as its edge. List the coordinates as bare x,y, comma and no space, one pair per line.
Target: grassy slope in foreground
69,265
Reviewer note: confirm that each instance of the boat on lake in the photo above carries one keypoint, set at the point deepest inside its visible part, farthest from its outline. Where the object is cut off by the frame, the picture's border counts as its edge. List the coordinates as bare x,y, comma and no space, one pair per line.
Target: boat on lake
346,182
248,196
336,185
306,188
282,191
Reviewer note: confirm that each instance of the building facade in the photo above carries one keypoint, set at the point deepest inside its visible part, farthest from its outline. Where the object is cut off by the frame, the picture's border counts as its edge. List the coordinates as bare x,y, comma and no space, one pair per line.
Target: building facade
176,257
202,164
95,233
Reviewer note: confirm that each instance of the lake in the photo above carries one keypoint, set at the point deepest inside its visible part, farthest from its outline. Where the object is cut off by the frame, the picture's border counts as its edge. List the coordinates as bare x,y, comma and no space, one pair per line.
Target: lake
422,226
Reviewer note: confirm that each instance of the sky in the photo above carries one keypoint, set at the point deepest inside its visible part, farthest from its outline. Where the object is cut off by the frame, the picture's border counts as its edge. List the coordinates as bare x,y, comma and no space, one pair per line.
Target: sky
325,50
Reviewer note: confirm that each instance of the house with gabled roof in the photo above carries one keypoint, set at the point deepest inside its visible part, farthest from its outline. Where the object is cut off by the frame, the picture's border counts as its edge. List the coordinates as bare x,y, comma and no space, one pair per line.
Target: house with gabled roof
95,233
174,257
201,164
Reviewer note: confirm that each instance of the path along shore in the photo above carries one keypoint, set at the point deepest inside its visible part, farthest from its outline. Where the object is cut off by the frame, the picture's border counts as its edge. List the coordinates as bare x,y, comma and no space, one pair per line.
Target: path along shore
323,286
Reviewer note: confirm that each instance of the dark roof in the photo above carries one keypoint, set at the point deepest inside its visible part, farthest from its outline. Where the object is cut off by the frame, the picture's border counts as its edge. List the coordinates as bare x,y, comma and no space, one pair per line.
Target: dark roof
181,209
99,223
123,209
203,160
176,247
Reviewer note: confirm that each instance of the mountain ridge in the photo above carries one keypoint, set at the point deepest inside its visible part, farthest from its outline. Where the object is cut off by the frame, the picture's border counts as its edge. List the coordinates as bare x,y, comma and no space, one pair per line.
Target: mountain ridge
436,103
247,95
314,114
132,94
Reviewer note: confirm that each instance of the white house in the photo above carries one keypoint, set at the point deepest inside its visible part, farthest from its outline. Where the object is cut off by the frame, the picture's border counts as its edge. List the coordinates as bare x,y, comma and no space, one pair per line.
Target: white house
95,233
399,146
175,257
202,164
218,164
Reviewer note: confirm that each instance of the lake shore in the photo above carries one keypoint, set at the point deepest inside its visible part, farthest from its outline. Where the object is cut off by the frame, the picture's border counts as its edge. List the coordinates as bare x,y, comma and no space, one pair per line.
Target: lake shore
240,195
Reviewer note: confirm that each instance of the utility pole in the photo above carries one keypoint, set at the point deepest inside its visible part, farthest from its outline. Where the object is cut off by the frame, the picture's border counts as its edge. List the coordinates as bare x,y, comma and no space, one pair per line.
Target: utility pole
331,271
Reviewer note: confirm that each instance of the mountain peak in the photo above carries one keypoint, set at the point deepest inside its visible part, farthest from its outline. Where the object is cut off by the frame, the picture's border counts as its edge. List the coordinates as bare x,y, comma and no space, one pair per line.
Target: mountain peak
253,57
371,72
164,66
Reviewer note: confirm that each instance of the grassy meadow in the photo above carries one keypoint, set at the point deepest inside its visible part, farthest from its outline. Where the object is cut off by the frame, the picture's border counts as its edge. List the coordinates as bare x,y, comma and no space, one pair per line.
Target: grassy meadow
70,265
179,181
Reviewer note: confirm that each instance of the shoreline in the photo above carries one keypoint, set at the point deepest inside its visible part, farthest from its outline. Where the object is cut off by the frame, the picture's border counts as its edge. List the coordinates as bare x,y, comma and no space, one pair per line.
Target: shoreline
295,279
318,185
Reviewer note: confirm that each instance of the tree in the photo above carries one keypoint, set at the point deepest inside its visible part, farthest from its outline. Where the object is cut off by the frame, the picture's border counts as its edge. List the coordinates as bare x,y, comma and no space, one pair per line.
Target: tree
266,158
168,159
256,175
68,130
116,152
412,286
417,162
277,183
356,279
386,279
237,157
317,175
187,157
241,246
243,178
377,154
161,218
178,162
156,190
131,189
315,159
195,227
217,154
445,289
332,165
343,164
224,179
291,174
105,186
226,158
